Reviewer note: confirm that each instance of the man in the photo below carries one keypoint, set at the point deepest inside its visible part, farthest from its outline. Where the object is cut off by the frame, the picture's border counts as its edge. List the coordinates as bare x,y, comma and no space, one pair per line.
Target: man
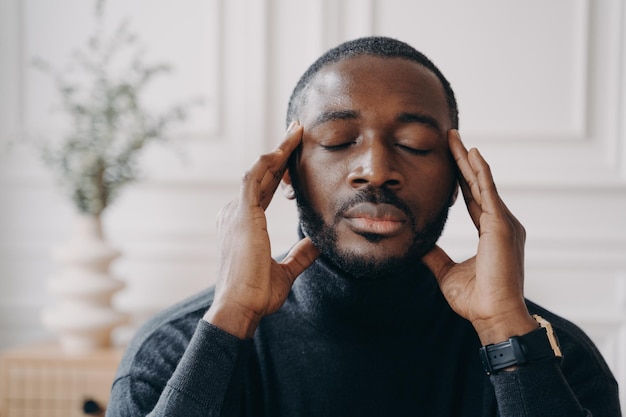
366,316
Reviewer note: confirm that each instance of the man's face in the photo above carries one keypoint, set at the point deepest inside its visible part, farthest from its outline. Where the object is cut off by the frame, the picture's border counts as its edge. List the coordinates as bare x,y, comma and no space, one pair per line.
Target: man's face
375,179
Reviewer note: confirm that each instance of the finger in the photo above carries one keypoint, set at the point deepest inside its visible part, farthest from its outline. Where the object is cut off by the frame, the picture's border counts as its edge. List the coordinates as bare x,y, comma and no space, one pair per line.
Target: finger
491,202
438,261
473,207
260,183
272,178
460,155
486,182
520,229
467,178
299,258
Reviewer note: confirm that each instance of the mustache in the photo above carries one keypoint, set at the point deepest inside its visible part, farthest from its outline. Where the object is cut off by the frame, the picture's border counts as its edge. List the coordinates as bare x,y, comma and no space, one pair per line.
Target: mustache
382,195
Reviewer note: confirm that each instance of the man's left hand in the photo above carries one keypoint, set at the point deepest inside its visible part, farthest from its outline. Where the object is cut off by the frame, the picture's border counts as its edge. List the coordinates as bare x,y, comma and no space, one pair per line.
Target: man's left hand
486,289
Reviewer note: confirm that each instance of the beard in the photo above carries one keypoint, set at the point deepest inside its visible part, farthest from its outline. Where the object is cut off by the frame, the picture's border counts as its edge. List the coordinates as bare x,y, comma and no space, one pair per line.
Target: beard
357,266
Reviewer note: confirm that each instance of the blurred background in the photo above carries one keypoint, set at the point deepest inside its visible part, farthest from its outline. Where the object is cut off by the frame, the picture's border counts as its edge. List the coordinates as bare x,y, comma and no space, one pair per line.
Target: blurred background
541,88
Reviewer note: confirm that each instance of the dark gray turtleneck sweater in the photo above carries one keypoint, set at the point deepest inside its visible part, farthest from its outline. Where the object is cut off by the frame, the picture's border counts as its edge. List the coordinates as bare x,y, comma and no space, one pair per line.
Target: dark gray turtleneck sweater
340,347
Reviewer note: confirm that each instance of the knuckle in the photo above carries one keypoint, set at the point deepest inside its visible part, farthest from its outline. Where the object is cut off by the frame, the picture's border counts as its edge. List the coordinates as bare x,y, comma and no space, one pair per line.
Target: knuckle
247,176
513,230
265,159
505,229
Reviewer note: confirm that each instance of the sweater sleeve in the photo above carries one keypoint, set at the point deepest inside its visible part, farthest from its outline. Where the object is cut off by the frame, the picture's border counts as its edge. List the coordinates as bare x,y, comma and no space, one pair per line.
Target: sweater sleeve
207,380
579,385
540,389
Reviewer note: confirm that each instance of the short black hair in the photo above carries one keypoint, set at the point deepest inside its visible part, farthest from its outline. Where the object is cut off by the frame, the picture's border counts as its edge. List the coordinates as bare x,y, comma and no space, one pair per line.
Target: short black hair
376,46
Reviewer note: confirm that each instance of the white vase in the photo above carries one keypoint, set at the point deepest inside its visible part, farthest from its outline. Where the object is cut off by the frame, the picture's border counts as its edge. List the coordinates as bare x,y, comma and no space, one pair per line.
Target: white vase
83,317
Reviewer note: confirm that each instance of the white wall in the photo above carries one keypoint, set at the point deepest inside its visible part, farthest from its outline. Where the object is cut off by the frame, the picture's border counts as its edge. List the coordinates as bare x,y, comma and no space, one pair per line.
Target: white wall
541,88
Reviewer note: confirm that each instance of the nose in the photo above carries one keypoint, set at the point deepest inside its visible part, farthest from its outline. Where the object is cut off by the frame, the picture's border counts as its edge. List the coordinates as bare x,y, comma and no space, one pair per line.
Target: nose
374,166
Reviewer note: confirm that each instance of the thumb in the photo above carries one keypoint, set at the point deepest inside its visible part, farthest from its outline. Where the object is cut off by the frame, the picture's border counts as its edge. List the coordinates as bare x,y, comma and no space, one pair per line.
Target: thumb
438,261
299,258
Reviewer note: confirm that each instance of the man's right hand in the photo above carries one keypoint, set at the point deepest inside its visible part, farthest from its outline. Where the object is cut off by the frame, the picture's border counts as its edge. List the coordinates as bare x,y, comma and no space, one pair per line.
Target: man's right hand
250,283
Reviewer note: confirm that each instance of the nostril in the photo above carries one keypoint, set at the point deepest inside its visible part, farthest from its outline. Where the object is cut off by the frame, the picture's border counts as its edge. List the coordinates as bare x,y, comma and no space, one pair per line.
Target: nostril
365,181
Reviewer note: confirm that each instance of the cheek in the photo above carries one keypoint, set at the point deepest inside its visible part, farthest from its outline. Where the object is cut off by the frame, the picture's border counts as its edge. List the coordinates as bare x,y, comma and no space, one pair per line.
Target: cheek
321,181
433,186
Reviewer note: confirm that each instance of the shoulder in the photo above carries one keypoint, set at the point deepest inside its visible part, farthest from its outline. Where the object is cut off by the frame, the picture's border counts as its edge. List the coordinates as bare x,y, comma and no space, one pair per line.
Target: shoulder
582,361
164,337
153,354
182,316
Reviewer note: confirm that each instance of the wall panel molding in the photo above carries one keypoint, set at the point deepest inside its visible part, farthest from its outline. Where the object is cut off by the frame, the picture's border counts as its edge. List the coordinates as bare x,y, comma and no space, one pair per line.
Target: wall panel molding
589,158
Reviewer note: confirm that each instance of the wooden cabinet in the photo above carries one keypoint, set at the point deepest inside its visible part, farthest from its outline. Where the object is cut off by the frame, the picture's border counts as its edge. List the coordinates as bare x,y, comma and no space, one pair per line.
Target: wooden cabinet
42,380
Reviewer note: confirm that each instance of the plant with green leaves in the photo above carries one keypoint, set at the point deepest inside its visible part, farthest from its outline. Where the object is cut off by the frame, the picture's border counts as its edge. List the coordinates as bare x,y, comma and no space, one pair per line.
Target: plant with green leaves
101,91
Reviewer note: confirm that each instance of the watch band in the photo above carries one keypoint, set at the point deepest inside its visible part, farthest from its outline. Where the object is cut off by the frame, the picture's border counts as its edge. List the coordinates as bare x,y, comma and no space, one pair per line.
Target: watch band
518,350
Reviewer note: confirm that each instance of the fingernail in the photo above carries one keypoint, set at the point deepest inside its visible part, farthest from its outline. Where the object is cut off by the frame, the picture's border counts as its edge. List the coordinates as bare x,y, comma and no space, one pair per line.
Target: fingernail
292,126
456,132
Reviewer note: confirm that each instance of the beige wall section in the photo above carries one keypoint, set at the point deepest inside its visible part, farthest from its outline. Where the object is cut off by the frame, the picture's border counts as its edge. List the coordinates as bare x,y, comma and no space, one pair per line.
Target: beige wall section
540,85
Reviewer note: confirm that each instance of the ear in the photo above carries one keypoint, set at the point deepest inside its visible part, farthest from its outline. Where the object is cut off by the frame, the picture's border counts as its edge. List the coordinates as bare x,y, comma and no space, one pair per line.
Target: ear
286,186
455,194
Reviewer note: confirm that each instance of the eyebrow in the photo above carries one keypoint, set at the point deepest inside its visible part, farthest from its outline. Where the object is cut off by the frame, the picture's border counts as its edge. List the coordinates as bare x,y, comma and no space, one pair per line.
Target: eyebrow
332,115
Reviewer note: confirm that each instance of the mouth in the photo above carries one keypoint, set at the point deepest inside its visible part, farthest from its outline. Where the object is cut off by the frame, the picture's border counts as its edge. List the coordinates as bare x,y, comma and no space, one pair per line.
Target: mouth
384,220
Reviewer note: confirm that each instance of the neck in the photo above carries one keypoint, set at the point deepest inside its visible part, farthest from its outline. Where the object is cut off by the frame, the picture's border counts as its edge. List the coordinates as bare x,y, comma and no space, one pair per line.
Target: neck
356,308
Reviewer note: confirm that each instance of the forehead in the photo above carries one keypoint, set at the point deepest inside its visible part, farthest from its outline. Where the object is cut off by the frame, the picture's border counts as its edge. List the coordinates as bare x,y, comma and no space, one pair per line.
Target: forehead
374,83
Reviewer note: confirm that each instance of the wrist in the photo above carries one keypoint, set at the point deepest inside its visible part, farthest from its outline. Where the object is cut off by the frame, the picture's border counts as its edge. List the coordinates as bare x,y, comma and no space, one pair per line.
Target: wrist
505,326
232,319
539,344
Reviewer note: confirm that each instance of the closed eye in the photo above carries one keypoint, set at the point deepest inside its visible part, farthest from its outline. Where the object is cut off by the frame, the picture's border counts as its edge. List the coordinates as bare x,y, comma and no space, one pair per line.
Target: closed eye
339,147
414,151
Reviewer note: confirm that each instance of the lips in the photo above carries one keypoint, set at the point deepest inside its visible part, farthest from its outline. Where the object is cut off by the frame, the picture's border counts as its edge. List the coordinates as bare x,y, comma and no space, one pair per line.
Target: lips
379,219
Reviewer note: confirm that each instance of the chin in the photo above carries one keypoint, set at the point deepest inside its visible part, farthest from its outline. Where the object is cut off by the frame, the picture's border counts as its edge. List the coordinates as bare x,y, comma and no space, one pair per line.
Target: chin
373,260
361,267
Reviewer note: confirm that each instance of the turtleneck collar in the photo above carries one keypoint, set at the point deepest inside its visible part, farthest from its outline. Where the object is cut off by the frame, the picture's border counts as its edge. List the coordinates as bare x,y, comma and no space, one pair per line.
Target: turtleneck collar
337,304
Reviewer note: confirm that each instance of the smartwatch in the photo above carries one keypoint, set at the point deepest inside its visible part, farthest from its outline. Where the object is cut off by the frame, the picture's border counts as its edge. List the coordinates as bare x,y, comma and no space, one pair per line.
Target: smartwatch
539,344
